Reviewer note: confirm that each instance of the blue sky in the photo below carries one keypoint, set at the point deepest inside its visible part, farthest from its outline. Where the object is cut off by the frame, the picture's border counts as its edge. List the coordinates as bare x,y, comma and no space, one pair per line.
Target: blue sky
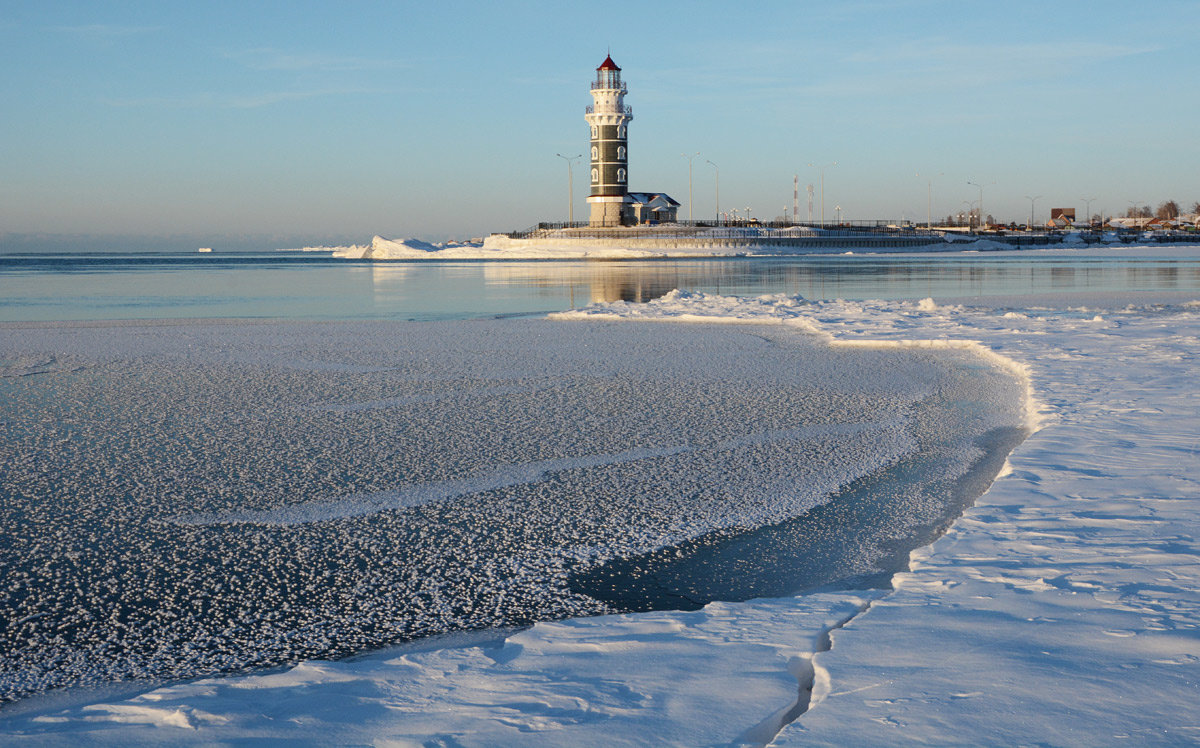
270,124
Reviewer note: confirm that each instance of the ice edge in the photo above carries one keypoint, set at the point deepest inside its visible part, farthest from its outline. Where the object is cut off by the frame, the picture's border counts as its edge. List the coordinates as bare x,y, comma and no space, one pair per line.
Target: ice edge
813,679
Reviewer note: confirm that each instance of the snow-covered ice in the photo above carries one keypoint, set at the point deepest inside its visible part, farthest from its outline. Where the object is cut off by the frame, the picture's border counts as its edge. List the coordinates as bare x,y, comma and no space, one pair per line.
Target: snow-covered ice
192,498
1061,609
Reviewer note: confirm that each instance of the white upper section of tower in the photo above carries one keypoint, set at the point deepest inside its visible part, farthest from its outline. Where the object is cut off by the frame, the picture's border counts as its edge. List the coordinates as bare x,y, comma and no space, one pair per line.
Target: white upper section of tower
608,97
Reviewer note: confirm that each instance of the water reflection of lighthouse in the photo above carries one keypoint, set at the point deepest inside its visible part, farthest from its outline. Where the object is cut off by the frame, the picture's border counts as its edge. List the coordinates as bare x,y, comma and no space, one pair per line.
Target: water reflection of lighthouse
634,287
597,282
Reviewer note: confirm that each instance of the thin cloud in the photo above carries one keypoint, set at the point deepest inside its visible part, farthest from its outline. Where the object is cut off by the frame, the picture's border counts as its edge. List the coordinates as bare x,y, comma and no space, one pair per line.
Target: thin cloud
932,66
912,67
239,101
106,31
938,52
268,58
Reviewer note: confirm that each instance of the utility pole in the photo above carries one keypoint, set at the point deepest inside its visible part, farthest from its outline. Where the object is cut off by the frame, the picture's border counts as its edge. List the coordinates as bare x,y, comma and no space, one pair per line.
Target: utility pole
570,186
1031,200
718,188
821,172
689,158
795,198
980,203
929,199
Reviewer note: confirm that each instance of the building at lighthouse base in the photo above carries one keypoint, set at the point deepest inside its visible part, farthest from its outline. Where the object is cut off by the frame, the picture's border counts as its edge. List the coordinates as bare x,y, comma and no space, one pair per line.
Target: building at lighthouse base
611,210
633,209
653,207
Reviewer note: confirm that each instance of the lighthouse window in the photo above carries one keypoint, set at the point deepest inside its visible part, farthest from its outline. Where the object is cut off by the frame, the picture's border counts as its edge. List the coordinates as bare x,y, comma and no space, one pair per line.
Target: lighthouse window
621,131
595,131
595,153
595,176
620,152
620,176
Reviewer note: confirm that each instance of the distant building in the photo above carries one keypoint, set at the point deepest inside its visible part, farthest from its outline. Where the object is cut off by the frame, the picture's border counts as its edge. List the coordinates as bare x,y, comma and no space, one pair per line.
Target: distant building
608,117
651,207
1129,223
1061,218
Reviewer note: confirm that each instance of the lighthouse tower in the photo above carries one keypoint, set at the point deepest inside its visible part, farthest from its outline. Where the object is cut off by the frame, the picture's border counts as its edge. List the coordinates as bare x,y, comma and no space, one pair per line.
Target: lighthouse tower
609,120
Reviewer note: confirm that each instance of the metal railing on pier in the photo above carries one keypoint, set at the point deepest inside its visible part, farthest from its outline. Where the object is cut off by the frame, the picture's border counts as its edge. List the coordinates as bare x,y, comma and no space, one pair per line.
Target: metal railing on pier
749,230
875,233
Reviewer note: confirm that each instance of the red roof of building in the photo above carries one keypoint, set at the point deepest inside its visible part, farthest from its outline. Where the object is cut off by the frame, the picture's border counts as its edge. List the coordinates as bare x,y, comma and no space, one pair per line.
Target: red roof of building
608,64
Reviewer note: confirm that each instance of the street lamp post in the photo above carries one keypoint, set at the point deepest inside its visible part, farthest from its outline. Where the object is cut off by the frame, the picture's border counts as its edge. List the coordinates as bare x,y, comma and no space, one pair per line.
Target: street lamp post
980,186
970,209
929,197
1087,209
838,208
718,188
821,172
570,186
747,214
1031,200
689,158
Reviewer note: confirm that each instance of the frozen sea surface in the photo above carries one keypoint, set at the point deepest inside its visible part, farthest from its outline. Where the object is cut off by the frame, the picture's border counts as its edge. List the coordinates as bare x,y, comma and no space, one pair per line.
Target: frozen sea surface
180,499
1061,609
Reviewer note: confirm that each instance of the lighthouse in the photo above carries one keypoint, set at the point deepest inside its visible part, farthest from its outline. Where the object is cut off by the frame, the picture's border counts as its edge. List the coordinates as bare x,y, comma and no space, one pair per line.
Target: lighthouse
609,120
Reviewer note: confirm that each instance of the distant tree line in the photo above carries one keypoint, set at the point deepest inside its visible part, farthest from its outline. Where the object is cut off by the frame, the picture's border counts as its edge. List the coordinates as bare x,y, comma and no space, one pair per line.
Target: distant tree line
1168,209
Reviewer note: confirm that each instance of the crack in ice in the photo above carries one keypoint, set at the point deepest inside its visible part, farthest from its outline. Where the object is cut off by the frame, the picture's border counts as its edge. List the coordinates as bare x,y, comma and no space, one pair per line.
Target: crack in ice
813,681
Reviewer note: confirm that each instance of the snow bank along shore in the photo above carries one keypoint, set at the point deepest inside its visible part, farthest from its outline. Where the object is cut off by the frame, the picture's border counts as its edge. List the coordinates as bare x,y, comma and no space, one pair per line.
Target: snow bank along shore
1062,609
565,247
500,247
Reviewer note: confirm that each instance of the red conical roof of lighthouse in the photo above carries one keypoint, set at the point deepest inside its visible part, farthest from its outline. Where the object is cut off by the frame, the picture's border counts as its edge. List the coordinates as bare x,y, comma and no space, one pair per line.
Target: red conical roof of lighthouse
608,64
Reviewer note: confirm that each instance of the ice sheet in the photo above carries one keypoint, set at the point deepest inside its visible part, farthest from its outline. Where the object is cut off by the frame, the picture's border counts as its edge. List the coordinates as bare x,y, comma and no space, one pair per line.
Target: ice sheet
196,498
1062,609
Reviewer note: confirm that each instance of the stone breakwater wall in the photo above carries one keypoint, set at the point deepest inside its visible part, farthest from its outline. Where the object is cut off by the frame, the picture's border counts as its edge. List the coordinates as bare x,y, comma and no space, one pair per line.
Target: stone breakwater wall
721,245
